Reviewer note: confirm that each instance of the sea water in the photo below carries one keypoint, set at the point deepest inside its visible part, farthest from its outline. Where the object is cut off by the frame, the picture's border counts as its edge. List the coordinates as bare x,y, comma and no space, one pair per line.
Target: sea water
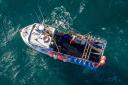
21,65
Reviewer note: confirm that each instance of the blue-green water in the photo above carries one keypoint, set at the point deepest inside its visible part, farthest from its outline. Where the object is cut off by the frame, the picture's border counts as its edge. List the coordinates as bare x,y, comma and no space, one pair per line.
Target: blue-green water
20,65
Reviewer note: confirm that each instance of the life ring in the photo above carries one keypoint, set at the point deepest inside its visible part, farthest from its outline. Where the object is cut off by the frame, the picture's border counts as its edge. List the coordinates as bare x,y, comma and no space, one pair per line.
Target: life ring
46,39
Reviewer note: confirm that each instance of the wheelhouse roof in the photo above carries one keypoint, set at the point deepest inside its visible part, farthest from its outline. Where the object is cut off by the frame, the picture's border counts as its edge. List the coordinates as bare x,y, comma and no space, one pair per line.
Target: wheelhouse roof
37,34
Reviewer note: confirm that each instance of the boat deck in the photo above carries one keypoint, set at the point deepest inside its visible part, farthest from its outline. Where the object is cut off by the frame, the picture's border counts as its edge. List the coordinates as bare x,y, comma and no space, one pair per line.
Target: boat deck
65,46
89,51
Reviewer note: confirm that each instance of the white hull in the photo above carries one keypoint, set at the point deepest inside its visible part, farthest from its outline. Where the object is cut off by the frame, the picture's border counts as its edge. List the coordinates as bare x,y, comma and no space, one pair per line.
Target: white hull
26,33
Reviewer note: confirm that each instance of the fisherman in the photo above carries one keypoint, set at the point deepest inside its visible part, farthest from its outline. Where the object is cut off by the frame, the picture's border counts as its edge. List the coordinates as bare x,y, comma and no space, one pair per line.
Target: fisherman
66,38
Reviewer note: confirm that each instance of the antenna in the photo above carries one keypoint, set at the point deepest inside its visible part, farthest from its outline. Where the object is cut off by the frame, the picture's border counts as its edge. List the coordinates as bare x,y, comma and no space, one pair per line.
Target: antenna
37,17
41,14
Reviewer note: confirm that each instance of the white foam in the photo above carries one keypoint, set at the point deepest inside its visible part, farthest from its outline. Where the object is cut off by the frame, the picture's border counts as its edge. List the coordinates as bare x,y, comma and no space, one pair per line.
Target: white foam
121,31
8,37
82,6
61,19
103,28
7,62
31,52
9,32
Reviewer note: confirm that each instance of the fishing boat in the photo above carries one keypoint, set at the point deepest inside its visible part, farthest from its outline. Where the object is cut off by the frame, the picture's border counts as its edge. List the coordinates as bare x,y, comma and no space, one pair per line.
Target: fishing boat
84,50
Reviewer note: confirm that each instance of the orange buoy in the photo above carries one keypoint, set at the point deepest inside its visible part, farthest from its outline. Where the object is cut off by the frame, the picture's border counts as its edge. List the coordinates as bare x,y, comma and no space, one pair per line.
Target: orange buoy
103,58
102,61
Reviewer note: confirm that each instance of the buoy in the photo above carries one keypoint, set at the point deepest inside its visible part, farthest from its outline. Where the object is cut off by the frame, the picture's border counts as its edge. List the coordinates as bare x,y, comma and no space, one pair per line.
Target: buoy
96,65
60,57
103,58
102,62
50,54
